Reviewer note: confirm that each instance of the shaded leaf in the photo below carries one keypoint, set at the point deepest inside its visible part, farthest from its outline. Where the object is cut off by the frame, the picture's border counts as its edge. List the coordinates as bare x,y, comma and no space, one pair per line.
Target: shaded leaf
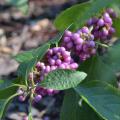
7,92
102,97
97,70
4,105
112,57
72,111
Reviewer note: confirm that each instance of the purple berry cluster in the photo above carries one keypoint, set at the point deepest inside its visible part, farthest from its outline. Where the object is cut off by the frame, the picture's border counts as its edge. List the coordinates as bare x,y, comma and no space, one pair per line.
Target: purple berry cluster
81,43
56,58
102,26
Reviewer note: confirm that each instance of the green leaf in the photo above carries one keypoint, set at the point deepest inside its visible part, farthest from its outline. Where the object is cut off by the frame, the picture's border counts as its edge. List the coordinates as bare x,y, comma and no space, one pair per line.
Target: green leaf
63,79
40,51
9,89
96,69
5,83
116,24
76,15
70,15
7,92
25,68
71,110
25,56
102,97
57,38
35,53
4,105
112,57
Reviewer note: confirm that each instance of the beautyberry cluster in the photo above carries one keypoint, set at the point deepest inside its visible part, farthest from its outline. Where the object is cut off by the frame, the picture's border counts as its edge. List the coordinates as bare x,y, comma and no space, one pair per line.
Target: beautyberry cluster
102,26
81,43
56,58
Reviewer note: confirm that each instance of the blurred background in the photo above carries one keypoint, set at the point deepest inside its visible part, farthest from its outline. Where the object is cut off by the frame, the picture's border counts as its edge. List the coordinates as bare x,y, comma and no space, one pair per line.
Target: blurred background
20,32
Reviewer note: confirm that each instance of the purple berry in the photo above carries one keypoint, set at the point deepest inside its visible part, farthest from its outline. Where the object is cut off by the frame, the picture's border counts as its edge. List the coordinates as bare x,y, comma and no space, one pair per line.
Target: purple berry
37,98
66,39
58,62
79,41
112,30
90,22
62,66
75,36
74,66
52,61
68,33
78,47
21,98
69,45
91,43
47,69
85,30
100,22
50,91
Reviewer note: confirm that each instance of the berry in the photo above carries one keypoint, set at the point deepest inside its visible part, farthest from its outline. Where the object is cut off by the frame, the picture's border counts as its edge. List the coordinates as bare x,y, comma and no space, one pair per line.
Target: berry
37,98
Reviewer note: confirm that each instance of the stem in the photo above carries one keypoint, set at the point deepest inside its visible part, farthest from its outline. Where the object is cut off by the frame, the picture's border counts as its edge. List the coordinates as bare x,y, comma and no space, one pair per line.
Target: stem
32,80
103,45
56,44
91,28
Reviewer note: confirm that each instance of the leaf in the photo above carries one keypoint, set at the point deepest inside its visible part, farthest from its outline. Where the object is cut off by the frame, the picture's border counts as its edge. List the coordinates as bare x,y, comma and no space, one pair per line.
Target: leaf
112,57
10,89
116,24
35,53
96,69
25,56
70,15
40,51
5,83
25,68
72,111
57,38
4,104
63,79
7,92
76,15
102,97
